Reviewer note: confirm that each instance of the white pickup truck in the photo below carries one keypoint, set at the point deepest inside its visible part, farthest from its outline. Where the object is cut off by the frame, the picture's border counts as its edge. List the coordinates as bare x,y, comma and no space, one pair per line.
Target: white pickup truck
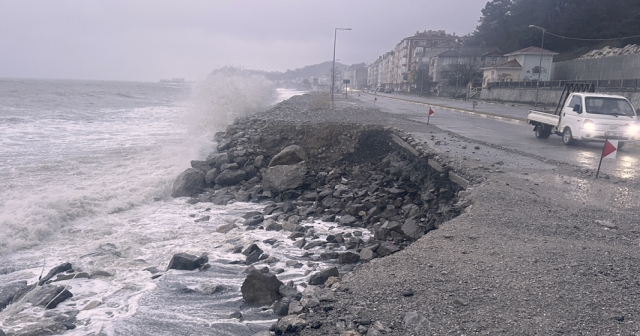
585,116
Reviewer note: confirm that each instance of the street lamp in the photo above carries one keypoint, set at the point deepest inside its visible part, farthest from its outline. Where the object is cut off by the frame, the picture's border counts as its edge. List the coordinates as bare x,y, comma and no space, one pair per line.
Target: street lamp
333,68
540,66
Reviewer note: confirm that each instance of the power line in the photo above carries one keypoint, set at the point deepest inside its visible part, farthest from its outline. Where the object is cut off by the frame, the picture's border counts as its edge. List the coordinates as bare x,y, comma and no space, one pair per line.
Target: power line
586,39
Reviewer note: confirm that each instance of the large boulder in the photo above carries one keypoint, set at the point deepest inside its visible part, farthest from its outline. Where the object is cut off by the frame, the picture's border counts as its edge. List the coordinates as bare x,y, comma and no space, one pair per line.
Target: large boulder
322,276
281,178
49,296
290,324
187,262
217,159
411,229
290,155
58,269
189,183
211,175
230,177
260,289
10,291
202,165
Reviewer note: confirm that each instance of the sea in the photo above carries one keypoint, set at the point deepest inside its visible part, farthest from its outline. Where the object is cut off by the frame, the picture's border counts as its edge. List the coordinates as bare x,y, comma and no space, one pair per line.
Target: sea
86,169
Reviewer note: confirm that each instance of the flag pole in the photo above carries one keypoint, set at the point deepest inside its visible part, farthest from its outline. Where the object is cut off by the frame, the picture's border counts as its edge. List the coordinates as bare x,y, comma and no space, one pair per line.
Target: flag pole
601,157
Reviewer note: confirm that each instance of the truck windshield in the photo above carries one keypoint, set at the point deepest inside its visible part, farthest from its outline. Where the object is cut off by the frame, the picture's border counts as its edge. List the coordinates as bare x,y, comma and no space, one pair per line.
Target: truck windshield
609,106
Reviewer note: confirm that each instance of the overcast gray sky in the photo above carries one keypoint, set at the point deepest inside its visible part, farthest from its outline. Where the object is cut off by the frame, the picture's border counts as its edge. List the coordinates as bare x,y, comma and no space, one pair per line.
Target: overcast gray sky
152,39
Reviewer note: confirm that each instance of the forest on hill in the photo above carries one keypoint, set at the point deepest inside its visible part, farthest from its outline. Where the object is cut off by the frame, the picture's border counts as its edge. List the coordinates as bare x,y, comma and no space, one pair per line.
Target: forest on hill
505,24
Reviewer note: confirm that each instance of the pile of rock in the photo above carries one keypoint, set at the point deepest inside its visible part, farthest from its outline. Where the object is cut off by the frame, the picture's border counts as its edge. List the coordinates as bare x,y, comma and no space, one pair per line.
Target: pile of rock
359,177
372,182
609,52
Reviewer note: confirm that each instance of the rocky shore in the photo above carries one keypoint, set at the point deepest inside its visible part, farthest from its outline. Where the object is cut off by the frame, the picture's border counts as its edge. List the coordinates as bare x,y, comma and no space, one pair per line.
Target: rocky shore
370,177
429,233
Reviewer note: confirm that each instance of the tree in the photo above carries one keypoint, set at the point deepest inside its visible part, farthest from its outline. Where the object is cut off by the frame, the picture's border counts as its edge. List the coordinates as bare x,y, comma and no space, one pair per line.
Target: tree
505,24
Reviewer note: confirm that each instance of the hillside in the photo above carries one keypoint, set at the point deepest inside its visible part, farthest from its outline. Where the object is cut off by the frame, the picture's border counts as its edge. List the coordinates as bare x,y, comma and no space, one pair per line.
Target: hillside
505,24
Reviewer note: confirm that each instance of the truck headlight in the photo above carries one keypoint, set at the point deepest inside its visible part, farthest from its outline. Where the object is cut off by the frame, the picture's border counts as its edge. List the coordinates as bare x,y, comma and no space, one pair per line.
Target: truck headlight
634,129
589,125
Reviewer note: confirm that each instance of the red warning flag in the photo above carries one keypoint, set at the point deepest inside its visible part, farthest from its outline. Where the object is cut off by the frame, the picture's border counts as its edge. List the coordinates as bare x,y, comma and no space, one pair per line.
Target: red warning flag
610,149
431,111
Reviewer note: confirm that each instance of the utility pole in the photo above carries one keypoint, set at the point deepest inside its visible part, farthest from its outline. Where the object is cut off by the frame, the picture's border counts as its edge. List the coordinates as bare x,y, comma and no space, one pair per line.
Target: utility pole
540,66
333,68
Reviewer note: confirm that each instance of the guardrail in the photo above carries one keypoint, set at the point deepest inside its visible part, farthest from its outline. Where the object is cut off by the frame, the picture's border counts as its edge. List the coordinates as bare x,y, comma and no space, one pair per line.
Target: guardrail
601,83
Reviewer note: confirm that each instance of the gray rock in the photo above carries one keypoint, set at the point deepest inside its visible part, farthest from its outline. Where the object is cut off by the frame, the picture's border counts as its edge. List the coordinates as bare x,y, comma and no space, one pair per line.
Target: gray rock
211,175
392,226
300,243
217,159
226,228
251,248
10,291
281,178
411,229
187,262
295,307
202,165
259,161
230,177
253,257
314,243
260,289
291,324
290,155
271,225
189,183
281,307
329,255
288,291
49,296
347,220
227,166
366,254
348,257
58,269
254,220
322,276
386,249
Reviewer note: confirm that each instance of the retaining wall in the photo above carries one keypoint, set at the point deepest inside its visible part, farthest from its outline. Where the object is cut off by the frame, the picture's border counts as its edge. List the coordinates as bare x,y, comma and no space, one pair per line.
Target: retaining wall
615,67
547,96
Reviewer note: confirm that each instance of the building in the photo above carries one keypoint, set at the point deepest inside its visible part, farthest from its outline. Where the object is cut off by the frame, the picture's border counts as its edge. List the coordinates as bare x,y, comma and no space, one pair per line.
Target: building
358,76
400,68
506,72
529,59
463,63
410,49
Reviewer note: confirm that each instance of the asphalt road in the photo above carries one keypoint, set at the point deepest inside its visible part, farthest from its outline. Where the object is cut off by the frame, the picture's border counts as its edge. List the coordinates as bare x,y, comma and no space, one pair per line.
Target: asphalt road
507,133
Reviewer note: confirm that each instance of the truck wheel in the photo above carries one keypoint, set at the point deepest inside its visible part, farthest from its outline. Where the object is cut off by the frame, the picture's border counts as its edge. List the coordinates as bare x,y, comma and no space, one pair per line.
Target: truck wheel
621,144
542,132
567,137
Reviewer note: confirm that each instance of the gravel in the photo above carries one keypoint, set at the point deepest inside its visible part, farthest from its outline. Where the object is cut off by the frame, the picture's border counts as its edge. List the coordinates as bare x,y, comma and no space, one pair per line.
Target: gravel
530,255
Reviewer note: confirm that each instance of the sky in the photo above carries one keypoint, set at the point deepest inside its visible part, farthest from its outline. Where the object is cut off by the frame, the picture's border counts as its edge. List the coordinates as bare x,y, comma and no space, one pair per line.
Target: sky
148,40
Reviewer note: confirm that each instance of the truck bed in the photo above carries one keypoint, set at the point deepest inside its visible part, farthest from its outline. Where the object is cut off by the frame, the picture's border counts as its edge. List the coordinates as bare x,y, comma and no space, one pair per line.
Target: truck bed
543,118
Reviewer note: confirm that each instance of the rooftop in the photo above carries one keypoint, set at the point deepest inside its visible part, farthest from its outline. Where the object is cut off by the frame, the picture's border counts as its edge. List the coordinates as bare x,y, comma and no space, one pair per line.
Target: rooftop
531,50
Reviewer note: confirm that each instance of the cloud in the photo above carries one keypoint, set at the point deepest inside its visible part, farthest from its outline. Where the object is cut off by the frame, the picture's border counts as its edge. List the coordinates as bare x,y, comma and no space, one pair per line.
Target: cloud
148,40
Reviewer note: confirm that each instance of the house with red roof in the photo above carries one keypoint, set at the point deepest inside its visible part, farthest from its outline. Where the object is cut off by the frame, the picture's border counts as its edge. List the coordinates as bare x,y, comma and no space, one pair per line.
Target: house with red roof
528,64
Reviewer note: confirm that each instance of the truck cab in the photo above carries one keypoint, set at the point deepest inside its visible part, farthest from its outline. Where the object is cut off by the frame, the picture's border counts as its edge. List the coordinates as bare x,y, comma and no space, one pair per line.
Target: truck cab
596,117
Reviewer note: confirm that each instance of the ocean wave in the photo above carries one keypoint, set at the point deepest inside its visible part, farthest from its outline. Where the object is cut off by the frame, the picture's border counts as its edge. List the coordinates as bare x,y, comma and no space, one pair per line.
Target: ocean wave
227,94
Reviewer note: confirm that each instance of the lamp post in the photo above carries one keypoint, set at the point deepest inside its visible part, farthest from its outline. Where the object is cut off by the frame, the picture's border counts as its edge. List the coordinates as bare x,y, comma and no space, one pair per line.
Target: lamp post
540,66
333,68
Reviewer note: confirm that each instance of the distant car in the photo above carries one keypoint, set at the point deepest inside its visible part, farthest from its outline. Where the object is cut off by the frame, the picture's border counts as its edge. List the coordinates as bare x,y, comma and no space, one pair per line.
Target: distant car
388,91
